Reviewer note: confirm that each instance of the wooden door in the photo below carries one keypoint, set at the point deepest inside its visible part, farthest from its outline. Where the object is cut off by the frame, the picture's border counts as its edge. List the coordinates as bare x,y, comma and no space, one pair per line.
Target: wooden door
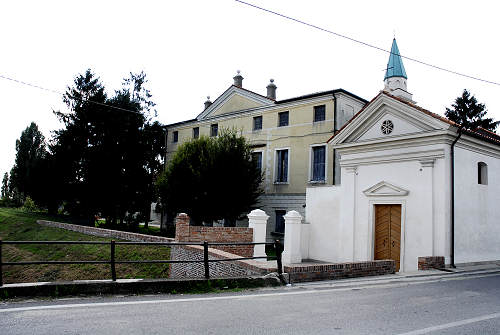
388,232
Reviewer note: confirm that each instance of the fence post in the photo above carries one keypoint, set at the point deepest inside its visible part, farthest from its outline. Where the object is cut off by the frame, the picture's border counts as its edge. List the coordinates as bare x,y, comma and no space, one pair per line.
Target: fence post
278,246
257,220
113,270
1,273
205,260
293,227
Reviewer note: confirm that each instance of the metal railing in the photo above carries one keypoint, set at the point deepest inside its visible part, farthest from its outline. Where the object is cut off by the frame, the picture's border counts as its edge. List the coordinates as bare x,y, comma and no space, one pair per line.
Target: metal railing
112,261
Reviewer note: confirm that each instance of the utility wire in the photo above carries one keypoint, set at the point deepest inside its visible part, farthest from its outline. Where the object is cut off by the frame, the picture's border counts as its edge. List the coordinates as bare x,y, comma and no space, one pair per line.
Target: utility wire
60,93
366,44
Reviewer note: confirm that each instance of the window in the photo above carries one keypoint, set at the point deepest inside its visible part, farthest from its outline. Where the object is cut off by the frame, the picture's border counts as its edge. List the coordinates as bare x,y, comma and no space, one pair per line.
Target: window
283,119
318,164
257,123
282,166
482,173
280,221
196,132
176,137
319,113
214,128
257,158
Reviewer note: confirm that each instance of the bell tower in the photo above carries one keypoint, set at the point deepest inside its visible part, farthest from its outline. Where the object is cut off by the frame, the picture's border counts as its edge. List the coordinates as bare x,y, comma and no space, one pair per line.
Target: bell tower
395,75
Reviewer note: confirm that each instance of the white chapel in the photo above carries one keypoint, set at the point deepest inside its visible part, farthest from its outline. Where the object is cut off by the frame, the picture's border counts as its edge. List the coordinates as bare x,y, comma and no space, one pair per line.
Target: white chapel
413,184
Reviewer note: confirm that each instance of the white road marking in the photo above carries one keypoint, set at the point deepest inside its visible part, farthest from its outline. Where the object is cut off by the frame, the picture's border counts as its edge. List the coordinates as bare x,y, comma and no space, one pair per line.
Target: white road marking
390,283
453,324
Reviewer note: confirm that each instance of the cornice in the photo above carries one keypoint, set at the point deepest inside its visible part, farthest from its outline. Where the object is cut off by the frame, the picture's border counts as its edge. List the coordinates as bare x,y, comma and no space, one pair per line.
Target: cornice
423,155
410,140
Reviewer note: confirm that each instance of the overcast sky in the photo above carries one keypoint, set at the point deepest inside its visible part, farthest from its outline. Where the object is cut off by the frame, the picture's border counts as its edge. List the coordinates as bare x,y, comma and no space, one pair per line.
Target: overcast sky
191,49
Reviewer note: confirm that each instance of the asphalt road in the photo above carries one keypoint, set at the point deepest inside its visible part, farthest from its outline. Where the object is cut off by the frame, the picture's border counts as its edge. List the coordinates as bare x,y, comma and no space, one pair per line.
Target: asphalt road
463,305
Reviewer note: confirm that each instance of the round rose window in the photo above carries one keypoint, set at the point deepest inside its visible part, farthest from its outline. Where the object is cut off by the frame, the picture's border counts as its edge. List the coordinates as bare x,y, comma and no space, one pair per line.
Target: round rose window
387,127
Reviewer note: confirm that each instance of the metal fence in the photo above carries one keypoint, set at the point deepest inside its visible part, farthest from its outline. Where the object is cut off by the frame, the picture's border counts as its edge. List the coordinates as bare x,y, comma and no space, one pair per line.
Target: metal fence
112,262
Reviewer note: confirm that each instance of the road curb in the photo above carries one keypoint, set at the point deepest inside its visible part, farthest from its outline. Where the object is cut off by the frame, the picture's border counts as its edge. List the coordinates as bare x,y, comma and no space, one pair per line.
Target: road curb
381,280
132,286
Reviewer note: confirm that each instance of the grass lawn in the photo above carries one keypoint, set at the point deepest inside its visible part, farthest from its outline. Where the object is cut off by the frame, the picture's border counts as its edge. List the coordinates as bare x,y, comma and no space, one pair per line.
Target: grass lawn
16,225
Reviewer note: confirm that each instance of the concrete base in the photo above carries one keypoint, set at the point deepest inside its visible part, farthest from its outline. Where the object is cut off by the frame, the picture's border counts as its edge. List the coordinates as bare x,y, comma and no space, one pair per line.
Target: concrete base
131,286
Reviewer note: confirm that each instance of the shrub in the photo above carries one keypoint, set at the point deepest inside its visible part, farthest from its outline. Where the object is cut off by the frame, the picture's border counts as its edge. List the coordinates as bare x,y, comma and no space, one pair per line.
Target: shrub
29,205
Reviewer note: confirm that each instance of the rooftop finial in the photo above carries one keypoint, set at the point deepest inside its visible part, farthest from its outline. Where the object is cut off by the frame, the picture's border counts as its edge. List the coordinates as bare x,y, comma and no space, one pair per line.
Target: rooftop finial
208,102
271,90
238,79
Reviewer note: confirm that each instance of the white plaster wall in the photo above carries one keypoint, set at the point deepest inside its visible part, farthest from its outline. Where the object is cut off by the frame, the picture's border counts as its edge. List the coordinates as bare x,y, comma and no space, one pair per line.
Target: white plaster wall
322,217
477,208
423,209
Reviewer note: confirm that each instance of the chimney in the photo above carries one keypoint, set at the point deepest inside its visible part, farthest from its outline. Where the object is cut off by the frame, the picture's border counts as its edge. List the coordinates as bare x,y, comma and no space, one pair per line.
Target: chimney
238,79
271,90
208,102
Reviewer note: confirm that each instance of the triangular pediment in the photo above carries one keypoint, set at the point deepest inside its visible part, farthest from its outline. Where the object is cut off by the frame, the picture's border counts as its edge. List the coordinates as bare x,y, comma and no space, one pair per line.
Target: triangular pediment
385,118
388,123
232,100
385,189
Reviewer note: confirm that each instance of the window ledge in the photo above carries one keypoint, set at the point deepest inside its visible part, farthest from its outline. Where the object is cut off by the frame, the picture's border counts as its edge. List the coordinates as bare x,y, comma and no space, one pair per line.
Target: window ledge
281,183
317,182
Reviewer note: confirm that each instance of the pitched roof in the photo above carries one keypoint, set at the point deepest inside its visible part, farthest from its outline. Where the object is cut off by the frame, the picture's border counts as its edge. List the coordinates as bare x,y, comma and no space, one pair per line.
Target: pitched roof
395,67
479,133
317,94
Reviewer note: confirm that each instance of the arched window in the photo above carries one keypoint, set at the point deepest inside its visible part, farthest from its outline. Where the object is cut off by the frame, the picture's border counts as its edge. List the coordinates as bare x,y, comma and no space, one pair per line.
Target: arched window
482,173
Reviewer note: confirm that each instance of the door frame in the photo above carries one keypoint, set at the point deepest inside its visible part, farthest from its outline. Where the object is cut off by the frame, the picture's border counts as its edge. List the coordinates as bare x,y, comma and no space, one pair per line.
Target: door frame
371,228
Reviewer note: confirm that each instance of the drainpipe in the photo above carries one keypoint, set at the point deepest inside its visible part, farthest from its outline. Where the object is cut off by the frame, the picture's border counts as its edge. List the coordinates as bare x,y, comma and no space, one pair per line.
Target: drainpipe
335,111
452,152
165,155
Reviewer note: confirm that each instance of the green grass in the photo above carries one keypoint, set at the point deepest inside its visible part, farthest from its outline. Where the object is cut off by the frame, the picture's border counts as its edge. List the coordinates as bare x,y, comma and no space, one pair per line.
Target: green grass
18,225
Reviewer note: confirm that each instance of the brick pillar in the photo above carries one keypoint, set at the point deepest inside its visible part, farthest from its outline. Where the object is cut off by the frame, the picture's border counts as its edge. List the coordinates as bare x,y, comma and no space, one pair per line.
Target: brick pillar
293,225
257,220
182,228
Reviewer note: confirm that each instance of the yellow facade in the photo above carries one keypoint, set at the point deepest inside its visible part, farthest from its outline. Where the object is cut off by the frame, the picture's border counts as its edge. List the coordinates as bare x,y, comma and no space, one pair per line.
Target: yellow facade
237,108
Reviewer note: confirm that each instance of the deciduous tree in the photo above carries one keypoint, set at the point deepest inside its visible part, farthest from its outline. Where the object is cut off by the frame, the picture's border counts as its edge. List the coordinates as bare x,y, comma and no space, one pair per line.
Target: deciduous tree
26,177
211,179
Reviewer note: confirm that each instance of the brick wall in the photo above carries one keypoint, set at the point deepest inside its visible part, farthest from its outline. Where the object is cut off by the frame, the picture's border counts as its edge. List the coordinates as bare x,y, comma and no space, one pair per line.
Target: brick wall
308,272
186,233
123,235
430,262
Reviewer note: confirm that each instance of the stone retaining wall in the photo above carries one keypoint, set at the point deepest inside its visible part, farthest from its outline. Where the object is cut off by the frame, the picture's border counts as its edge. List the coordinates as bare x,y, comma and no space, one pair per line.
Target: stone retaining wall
312,272
223,269
101,232
186,233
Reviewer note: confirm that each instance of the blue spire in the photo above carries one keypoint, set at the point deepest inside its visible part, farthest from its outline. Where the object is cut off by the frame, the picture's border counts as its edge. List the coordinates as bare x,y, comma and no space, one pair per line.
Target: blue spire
395,67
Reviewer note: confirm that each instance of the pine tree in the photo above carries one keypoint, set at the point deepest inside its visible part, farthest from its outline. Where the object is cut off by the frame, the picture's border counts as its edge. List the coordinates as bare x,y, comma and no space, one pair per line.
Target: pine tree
470,114
5,186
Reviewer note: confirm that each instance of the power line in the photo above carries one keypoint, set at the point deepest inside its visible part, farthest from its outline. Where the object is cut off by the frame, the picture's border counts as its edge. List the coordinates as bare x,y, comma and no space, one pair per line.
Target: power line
366,44
60,93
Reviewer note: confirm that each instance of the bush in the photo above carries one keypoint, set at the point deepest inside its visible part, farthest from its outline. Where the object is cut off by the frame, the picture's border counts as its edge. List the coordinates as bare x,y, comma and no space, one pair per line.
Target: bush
29,205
